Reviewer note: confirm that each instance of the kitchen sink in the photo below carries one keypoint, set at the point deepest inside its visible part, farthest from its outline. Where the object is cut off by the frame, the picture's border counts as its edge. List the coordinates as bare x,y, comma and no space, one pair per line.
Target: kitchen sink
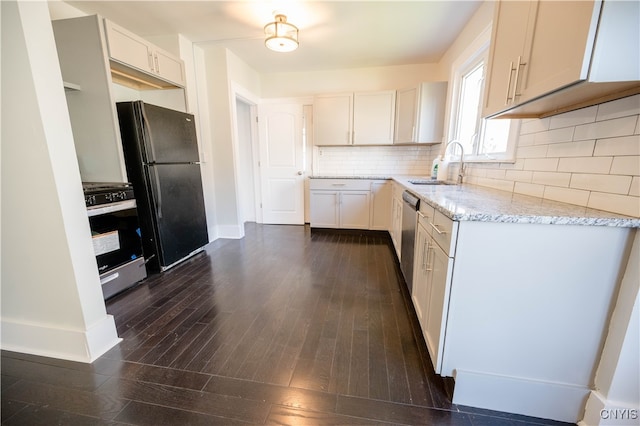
429,182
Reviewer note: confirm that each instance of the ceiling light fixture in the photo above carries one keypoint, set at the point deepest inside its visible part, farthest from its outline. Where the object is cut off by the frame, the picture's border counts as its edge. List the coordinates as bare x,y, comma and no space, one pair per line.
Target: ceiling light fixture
281,36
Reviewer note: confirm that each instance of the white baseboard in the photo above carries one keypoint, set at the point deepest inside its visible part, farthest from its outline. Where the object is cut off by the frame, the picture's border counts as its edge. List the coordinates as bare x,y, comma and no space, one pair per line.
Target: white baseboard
556,401
230,231
73,345
601,412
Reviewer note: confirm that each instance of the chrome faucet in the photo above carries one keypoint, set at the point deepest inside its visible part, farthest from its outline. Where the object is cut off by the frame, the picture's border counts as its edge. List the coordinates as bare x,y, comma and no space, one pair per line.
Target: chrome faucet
461,172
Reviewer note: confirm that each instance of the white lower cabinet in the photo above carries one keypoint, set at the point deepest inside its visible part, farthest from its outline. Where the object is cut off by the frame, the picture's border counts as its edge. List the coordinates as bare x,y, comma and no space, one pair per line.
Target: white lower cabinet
340,203
353,209
380,205
432,278
396,217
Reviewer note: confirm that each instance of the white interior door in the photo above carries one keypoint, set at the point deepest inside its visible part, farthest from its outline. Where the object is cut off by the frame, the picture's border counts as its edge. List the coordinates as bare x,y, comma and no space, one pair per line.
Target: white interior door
281,163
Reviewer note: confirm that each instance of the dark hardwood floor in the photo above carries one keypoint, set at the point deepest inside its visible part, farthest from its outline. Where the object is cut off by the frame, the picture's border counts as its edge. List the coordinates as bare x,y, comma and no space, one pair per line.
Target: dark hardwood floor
285,326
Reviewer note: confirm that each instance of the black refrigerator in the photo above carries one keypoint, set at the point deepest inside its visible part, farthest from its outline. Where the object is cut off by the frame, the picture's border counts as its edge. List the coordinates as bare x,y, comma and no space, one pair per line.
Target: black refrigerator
163,165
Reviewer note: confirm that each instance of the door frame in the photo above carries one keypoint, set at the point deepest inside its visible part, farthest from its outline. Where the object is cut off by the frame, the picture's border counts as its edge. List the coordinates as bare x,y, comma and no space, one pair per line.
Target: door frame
239,93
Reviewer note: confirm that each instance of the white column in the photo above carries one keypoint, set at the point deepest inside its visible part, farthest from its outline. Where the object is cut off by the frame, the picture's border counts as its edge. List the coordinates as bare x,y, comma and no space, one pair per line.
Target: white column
52,303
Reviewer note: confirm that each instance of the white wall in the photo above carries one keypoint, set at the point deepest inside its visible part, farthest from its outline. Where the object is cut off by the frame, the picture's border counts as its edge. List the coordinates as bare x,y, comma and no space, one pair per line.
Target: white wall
52,302
300,84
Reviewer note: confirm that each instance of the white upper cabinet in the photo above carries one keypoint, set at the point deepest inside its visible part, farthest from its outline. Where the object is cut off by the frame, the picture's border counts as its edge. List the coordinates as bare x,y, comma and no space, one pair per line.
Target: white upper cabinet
420,113
549,57
365,118
133,51
373,117
332,122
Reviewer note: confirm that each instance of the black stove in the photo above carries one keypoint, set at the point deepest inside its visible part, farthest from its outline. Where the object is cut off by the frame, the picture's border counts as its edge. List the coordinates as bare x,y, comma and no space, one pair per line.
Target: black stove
99,193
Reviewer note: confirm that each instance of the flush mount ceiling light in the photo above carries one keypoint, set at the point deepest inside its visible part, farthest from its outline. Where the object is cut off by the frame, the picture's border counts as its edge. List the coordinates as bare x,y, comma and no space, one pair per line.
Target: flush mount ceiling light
281,36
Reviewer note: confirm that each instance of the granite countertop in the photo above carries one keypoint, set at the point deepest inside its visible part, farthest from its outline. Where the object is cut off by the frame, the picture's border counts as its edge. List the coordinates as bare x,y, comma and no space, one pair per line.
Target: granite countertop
476,203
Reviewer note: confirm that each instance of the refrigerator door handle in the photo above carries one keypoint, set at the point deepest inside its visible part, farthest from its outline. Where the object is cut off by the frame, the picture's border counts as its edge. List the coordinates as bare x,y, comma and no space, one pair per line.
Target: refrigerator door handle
148,138
158,192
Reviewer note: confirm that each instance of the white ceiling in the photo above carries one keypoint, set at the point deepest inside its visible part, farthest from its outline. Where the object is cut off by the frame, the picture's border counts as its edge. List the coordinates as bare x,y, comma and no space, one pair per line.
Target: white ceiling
333,34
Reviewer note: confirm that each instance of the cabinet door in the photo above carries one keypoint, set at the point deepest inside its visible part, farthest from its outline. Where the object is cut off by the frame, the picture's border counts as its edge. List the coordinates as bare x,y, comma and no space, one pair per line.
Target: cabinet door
324,207
555,56
507,45
396,226
354,209
440,269
406,114
420,294
169,67
332,119
380,205
373,118
128,48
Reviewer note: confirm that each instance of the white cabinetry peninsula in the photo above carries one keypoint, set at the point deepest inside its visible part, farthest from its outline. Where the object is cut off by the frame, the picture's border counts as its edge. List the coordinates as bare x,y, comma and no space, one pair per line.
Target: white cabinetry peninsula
365,118
87,65
539,66
420,113
514,296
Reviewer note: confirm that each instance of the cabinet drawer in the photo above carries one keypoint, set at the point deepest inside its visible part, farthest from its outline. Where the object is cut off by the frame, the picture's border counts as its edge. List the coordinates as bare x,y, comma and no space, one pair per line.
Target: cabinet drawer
425,216
340,184
443,231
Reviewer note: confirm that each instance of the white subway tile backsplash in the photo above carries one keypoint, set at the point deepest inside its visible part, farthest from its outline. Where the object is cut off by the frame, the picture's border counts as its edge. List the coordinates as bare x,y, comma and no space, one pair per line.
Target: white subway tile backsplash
496,173
567,195
602,183
619,108
554,136
571,149
585,164
529,189
503,185
628,165
635,187
526,140
574,118
551,178
606,129
623,204
539,151
627,145
519,175
534,126
541,164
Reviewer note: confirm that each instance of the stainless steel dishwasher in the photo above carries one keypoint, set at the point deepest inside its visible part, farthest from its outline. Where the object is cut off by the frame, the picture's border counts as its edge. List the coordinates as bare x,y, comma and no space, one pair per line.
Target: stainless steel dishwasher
409,219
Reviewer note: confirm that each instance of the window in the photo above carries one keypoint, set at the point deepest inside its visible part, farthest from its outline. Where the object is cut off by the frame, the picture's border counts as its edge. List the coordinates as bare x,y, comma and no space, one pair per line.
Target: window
482,139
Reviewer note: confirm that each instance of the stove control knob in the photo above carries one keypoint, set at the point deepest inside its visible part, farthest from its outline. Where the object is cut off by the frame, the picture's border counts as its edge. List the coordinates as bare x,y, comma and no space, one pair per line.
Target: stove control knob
90,200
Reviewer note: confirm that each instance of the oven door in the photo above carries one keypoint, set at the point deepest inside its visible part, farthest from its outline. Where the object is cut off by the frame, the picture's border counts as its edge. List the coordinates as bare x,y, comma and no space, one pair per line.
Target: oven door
115,233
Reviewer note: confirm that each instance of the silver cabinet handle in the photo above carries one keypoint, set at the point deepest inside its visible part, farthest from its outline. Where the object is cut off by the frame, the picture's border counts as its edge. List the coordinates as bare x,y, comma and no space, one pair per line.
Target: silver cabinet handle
437,230
155,59
150,60
338,184
515,84
299,173
506,101
429,248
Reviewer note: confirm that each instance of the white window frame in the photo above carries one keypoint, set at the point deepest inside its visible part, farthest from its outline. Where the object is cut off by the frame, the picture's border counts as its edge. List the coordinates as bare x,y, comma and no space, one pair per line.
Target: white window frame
477,52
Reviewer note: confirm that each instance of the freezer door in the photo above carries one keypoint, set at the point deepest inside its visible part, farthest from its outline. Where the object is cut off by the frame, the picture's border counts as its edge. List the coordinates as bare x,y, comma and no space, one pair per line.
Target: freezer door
170,136
179,210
